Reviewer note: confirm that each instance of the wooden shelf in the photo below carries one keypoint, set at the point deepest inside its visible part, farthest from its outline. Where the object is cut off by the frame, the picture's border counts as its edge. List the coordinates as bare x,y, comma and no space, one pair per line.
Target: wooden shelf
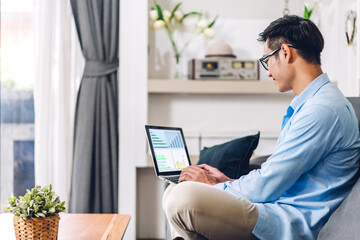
211,86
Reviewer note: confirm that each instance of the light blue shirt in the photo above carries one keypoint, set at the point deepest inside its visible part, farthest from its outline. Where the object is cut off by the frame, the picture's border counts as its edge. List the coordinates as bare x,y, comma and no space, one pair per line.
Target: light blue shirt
311,170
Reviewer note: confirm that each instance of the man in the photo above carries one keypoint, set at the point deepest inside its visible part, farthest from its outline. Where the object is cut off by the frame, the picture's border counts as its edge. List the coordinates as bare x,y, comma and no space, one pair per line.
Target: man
312,168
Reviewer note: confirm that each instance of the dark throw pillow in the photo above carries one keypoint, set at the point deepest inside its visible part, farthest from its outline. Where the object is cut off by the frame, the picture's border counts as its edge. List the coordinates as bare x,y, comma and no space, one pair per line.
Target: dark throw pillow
232,158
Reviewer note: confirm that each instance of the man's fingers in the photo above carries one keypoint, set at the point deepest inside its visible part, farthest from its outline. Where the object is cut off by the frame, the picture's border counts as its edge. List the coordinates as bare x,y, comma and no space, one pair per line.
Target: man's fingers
207,167
186,176
192,169
195,169
191,173
204,166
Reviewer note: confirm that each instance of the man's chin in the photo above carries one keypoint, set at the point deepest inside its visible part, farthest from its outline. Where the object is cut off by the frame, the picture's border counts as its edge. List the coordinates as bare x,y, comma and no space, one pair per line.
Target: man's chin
282,89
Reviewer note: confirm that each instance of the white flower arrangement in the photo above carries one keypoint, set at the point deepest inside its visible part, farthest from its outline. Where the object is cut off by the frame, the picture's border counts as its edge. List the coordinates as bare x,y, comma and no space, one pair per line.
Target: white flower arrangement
172,21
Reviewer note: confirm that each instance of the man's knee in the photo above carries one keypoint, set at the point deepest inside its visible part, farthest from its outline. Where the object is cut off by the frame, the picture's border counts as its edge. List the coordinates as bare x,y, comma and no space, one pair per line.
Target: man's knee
183,198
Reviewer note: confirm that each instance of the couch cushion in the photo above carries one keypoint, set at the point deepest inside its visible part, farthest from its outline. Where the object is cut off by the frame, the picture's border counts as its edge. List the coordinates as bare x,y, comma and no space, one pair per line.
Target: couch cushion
344,223
231,158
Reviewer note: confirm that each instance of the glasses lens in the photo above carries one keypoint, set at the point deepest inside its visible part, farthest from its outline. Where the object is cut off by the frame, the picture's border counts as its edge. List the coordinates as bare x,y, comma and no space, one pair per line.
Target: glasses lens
264,60
264,64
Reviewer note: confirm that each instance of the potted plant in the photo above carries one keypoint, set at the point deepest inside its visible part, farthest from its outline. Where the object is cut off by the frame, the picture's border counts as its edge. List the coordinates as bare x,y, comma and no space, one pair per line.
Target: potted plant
36,213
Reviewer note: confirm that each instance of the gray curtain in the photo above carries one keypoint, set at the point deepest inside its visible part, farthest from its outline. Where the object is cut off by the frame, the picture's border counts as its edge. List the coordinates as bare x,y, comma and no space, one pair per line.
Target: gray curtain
94,183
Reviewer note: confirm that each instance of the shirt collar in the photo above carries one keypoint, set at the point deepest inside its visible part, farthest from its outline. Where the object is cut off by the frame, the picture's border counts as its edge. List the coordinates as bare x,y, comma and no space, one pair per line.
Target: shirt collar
310,90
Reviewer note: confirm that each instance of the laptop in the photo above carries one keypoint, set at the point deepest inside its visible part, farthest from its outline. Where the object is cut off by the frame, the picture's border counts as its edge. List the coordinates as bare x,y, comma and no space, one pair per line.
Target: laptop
168,150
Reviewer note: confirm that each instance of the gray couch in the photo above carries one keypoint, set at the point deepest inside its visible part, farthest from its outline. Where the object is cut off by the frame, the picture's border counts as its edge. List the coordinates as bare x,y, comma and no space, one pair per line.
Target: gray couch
344,223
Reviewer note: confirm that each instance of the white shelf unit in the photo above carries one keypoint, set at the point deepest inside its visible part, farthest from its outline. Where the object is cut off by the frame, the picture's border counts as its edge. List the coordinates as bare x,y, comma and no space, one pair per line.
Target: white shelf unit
211,86
171,86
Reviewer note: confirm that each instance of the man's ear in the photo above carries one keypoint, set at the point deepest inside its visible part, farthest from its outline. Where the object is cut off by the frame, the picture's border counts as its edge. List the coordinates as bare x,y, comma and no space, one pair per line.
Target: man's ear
287,53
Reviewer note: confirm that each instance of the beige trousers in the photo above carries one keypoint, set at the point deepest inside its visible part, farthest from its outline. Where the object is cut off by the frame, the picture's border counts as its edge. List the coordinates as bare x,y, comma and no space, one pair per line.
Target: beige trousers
199,211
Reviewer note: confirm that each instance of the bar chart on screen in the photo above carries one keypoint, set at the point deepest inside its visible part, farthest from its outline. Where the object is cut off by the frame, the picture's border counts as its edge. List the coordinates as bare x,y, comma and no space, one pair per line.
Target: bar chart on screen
169,150
167,139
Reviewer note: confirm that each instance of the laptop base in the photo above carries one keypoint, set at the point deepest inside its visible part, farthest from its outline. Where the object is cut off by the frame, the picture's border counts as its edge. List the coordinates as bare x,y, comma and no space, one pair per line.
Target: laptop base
171,179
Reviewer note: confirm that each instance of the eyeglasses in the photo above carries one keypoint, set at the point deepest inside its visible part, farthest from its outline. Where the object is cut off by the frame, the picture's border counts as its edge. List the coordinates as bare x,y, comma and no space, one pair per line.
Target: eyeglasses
264,60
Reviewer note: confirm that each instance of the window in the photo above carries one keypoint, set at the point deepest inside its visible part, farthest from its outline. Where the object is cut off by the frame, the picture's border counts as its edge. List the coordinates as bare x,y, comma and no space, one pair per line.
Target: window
17,103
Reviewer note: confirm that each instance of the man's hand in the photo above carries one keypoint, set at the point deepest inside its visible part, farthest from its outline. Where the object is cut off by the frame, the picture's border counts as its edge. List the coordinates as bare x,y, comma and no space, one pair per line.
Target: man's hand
203,173
197,174
215,173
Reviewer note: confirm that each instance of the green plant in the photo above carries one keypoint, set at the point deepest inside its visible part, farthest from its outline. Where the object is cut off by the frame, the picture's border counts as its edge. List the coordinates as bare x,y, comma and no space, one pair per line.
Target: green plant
38,202
309,7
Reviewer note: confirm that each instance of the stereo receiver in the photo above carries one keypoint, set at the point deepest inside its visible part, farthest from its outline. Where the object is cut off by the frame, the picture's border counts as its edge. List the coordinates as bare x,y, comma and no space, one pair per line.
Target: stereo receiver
223,68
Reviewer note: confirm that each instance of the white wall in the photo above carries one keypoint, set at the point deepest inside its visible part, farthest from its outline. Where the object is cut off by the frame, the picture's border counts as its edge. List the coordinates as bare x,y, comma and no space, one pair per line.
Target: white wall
245,9
132,103
339,59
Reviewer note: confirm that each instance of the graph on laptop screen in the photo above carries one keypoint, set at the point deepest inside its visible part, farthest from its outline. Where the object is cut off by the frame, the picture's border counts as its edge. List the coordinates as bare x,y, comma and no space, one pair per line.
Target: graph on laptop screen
169,150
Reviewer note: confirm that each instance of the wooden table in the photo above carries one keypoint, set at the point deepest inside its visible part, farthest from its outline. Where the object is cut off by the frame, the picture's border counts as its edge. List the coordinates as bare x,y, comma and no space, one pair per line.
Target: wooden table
78,226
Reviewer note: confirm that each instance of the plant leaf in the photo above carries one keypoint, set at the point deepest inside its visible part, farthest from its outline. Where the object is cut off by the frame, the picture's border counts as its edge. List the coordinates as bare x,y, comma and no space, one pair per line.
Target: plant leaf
27,198
174,10
213,22
159,11
46,188
189,14
51,210
36,208
306,13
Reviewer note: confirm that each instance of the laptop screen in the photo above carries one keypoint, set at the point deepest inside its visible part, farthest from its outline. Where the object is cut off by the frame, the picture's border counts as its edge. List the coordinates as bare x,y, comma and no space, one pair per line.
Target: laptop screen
168,149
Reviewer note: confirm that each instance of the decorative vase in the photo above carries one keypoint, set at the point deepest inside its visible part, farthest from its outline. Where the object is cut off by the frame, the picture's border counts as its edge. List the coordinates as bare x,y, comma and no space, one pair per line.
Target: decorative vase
37,228
177,68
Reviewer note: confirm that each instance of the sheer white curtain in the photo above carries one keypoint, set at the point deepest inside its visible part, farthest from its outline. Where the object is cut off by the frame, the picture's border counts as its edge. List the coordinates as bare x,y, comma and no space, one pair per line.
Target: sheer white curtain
59,66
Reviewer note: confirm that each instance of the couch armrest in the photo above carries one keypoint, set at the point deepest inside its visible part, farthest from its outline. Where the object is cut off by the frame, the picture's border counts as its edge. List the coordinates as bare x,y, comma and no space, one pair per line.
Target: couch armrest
344,222
256,162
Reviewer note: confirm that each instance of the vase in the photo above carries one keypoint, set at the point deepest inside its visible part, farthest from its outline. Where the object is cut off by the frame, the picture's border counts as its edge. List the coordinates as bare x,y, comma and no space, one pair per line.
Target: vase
177,68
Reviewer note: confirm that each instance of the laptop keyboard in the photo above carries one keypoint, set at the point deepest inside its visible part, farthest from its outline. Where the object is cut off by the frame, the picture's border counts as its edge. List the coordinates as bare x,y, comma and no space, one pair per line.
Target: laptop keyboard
174,179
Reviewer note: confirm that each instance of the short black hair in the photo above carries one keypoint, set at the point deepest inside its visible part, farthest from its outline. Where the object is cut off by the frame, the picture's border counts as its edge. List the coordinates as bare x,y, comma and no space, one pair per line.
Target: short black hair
302,33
